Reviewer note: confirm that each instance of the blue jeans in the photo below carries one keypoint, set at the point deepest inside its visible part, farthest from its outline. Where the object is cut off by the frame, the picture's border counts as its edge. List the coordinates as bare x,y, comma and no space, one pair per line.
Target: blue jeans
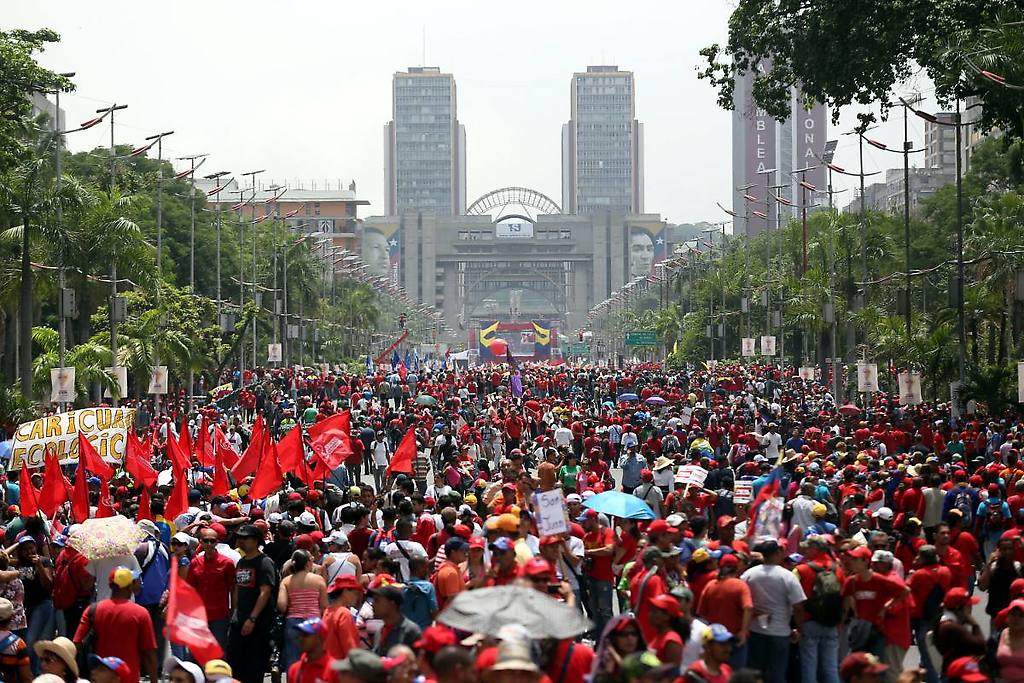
601,593
738,656
291,651
819,653
42,623
770,656
921,628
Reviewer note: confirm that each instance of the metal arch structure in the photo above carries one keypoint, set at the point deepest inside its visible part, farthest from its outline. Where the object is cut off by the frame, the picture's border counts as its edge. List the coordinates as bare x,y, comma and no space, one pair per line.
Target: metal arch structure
516,197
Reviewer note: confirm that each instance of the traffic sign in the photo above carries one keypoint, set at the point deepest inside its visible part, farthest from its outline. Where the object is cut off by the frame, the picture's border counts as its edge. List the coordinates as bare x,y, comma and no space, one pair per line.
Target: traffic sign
642,338
579,349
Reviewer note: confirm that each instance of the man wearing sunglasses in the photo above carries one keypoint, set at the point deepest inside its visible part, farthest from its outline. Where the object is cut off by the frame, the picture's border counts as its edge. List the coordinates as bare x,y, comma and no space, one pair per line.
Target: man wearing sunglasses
213,576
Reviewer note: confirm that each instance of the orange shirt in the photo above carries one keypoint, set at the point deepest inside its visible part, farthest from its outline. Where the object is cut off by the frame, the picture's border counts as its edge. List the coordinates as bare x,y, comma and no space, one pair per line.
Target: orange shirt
342,634
723,601
448,583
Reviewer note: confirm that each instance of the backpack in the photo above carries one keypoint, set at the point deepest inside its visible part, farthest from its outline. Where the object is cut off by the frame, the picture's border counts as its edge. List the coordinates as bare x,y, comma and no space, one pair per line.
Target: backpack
962,502
994,515
825,605
858,521
65,587
932,607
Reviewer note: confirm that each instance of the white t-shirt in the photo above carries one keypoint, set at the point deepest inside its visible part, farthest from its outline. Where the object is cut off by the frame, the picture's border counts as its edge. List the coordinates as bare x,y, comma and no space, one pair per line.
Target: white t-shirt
774,592
563,436
412,549
100,570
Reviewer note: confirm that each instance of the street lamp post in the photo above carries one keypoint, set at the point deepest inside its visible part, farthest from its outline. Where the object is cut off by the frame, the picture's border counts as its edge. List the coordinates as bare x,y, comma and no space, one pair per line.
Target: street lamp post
215,177
114,309
192,202
159,138
58,161
252,181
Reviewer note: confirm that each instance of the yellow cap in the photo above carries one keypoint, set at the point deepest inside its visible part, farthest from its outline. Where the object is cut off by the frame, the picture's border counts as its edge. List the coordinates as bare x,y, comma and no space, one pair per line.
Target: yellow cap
217,667
508,522
470,499
122,577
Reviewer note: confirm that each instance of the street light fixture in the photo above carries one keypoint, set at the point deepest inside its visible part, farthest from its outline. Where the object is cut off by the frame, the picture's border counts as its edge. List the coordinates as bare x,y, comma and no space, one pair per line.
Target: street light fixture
192,203
215,177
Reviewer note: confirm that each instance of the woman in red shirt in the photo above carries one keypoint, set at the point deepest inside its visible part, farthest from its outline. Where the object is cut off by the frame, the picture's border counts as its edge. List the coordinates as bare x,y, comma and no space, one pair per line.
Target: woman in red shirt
667,643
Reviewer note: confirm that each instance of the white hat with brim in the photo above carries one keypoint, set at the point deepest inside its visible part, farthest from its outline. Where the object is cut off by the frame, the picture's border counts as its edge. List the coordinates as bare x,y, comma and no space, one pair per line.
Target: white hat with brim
193,669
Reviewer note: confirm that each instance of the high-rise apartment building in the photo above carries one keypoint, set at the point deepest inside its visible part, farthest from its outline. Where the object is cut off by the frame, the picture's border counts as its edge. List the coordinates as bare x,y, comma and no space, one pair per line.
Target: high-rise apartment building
424,145
602,144
940,143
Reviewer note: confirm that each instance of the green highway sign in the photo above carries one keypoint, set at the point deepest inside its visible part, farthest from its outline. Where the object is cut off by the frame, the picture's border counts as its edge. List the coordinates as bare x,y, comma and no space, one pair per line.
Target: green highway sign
642,338
579,349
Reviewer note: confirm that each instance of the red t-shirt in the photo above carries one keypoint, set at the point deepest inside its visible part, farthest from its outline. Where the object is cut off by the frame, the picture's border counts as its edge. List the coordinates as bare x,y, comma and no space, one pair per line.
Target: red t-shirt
655,587
122,629
869,596
213,579
601,566
968,547
923,581
661,643
315,671
581,660
958,566
700,668
723,601
358,539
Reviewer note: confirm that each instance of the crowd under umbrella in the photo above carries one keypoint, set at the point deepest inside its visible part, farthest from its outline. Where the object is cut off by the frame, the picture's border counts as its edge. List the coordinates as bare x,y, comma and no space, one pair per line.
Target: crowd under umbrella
655,401
628,397
425,400
487,610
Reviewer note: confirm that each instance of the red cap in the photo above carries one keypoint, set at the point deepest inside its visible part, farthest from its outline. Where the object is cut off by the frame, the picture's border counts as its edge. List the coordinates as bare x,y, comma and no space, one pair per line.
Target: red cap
957,598
658,526
294,496
434,638
463,531
552,540
537,566
728,560
304,542
859,664
725,520
345,582
1017,589
993,488
965,669
576,530
861,552
478,542
222,533
647,475
667,603
429,502
316,535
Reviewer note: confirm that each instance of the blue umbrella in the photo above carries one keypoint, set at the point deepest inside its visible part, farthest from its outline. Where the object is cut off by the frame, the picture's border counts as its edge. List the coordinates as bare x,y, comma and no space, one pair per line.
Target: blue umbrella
5,449
628,397
620,504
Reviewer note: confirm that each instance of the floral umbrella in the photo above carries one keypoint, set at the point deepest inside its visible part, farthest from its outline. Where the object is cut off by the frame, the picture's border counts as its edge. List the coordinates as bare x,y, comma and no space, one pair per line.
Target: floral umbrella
106,537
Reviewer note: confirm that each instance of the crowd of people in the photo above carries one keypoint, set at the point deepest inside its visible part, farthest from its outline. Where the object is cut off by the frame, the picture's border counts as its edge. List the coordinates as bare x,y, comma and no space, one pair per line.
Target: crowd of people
783,535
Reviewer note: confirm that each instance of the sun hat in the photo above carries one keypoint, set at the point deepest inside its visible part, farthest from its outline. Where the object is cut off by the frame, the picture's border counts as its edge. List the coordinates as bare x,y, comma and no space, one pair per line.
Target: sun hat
63,648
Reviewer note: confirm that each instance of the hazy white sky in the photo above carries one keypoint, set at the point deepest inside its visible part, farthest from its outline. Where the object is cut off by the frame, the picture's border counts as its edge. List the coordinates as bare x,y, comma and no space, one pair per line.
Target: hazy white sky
303,89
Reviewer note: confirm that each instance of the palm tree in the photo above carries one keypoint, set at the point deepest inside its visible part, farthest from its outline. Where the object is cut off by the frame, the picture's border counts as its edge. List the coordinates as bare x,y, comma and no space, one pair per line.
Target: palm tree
14,409
90,361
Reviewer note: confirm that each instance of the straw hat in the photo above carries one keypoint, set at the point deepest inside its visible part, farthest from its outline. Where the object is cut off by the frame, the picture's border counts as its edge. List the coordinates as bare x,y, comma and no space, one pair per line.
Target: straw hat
514,655
62,648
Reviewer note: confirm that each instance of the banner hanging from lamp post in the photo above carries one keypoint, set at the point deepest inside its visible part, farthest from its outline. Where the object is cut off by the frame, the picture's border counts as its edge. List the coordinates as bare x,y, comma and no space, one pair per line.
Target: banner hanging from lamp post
62,385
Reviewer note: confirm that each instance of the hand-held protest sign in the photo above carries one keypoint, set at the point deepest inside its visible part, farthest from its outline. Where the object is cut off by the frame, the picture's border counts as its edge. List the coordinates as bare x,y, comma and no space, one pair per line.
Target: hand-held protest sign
106,428
551,512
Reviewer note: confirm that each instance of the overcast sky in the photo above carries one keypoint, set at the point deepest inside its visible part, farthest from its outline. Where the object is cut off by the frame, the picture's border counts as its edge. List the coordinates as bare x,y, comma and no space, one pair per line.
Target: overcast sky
303,89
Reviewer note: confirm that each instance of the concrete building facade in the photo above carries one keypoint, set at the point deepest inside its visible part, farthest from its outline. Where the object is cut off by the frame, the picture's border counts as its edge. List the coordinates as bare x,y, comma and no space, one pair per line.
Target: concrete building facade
424,145
602,144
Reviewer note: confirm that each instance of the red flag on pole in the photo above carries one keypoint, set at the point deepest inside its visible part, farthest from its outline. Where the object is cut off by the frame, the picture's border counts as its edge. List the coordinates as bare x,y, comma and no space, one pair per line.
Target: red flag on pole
145,511
88,456
187,623
292,455
221,485
204,446
136,461
80,496
105,506
224,447
175,452
269,476
332,439
53,493
177,502
253,455
401,461
185,442
29,503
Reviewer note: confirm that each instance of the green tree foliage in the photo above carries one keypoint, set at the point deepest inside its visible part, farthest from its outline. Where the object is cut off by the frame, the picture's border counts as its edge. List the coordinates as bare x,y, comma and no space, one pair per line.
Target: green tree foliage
842,52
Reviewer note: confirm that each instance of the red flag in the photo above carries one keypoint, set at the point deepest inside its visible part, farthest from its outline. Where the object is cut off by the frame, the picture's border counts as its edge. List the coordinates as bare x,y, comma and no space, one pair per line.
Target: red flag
177,502
29,503
332,438
221,485
204,447
224,447
144,509
253,456
187,623
321,471
175,453
105,506
401,461
185,442
54,492
136,461
293,457
80,496
269,476
93,462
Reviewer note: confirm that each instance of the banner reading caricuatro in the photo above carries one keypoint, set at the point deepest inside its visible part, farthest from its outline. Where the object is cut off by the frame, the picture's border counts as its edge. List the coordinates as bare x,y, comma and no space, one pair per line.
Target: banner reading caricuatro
106,428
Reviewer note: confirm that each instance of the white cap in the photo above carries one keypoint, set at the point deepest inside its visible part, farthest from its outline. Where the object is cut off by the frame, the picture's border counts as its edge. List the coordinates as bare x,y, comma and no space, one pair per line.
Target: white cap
338,537
307,519
274,518
573,498
192,668
883,556
884,513
182,537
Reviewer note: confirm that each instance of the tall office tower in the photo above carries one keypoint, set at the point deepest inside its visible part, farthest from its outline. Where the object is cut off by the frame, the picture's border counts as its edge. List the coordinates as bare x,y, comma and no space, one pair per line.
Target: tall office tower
602,144
766,152
424,145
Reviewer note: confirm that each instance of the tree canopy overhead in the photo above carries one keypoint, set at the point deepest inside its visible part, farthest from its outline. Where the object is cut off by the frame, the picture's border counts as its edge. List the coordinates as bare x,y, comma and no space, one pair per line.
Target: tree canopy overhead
842,52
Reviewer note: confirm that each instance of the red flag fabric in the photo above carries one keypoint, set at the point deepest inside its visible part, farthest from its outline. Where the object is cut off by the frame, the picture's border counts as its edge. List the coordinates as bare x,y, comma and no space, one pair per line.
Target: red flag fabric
93,462
332,438
292,456
145,511
80,496
54,492
204,446
221,443
187,623
105,507
136,461
29,502
221,485
177,502
253,456
175,453
185,442
401,461
269,476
